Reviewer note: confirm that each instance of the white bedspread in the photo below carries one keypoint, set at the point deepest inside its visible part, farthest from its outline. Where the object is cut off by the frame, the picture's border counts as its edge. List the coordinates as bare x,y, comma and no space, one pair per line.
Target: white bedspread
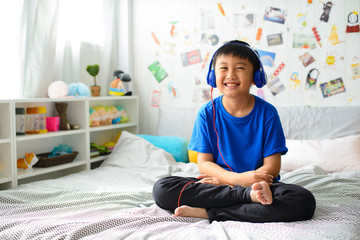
115,202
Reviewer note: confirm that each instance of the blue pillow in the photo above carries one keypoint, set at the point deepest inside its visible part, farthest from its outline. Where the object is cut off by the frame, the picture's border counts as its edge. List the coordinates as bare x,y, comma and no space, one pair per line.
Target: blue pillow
176,146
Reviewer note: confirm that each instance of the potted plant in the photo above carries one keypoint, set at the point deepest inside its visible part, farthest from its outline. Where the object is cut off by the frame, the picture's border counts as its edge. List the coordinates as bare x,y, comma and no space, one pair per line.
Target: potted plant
93,70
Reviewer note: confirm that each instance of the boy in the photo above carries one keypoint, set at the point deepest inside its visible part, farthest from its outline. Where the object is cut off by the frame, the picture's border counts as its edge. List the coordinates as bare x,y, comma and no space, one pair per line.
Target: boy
239,140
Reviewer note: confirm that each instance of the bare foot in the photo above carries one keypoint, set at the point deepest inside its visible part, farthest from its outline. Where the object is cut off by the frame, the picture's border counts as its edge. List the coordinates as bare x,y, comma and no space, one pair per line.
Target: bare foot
186,211
261,193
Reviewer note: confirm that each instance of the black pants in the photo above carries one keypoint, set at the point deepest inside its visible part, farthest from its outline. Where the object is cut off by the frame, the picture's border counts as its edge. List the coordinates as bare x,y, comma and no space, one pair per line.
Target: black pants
290,202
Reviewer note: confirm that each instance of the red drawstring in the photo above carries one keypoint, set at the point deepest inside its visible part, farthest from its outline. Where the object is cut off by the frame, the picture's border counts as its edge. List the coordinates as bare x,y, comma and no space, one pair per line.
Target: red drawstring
182,192
217,132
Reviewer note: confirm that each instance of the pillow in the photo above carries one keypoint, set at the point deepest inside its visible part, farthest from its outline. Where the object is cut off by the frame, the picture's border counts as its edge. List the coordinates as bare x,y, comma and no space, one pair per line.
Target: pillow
132,151
333,155
192,156
176,146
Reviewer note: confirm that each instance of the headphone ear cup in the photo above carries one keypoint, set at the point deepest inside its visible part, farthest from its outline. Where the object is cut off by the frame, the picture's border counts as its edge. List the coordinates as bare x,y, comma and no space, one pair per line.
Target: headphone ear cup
212,79
259,79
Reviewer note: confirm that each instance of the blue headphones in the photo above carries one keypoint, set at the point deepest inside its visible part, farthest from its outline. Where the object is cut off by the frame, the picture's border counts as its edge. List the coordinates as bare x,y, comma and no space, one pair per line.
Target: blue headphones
260,77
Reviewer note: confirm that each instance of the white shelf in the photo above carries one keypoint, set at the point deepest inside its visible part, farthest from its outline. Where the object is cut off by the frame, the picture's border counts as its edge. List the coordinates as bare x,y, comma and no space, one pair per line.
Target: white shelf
21,174
48,135
14,146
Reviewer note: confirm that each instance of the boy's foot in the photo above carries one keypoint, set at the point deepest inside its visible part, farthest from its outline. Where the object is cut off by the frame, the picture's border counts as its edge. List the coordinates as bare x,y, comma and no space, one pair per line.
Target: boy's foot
261,193
186,211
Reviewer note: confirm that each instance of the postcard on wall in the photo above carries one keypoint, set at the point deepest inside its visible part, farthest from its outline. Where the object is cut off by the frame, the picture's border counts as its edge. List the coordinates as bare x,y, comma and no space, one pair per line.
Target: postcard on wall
155,99
274,39
275,14
207,20
332,87
301,40
306,59
267,58
275,85
158,71
191,57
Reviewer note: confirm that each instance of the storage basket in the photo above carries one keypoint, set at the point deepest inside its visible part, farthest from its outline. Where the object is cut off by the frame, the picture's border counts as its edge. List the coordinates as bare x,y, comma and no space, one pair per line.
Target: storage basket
45,161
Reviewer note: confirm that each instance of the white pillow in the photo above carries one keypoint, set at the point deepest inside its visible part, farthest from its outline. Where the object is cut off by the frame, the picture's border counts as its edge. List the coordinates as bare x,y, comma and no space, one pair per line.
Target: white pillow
333,155
132,151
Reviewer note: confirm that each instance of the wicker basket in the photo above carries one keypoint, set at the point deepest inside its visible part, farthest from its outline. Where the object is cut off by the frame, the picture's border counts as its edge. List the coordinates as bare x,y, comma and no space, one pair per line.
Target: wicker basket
45,161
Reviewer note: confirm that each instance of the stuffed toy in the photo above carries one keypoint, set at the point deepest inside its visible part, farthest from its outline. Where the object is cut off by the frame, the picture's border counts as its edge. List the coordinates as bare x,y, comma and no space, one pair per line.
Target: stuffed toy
117,87
61,109
57,89
94,120
78,90
27,162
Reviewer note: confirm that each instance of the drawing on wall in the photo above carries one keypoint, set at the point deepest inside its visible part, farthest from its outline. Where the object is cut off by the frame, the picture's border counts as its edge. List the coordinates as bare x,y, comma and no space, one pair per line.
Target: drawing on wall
173,90
191,57
306,59
244,20
317,36
334,38
330,60
301,20
311,79
275,14
332,87
274,39
294,81
355,70
353,23
327,8
267,58
207,20
155,98
301,40
212,39
158,71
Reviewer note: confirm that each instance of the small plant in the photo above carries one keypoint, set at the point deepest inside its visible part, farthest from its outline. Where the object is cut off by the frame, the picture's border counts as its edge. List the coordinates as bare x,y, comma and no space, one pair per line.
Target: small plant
93,70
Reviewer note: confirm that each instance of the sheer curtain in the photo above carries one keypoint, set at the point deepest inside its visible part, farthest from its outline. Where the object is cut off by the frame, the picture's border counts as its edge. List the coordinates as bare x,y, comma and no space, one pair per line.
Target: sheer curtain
57,39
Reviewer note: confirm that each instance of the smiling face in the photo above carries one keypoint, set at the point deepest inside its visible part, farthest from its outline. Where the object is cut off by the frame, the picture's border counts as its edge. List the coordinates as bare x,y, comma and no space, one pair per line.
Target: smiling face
234,75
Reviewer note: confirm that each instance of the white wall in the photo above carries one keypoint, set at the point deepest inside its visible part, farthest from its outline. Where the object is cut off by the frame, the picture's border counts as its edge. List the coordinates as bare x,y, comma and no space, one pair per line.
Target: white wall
193,18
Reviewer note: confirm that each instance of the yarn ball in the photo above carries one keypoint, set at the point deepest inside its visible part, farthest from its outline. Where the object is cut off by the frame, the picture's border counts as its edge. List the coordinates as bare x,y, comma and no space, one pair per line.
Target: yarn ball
57,89
78,90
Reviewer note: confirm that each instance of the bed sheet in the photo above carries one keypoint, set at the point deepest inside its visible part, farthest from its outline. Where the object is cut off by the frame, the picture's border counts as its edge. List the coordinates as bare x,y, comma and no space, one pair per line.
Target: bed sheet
115,202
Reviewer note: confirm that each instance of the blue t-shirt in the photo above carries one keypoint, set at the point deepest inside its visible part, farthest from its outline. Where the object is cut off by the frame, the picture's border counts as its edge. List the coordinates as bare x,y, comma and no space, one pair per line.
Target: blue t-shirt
244,142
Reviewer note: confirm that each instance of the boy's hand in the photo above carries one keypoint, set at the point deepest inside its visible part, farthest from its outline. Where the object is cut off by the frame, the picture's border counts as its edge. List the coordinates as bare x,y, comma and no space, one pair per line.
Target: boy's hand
251,177
210,180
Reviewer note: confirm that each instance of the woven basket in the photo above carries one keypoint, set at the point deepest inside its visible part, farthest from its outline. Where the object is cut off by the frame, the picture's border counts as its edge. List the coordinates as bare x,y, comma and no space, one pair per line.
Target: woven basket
45,161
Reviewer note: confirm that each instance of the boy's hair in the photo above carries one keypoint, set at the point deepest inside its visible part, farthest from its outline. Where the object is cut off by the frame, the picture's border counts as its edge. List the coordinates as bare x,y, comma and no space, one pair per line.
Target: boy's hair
237,49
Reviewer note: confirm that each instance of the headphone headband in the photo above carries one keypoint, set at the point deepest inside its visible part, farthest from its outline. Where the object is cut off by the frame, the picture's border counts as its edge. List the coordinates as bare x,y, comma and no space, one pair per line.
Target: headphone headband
260,77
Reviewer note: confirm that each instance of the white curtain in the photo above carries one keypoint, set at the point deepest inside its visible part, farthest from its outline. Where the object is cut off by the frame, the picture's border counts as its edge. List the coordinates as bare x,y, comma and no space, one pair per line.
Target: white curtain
59,38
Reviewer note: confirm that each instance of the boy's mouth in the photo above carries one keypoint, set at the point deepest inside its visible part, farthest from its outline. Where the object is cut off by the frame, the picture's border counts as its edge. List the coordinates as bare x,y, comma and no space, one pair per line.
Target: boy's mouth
231,84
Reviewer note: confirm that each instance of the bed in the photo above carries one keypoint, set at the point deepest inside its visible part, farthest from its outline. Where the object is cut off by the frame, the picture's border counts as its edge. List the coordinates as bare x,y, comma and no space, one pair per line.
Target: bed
114,201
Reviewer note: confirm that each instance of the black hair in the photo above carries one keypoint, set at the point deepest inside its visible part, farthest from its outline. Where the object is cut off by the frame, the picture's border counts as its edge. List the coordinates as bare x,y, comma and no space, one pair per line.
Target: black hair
238,49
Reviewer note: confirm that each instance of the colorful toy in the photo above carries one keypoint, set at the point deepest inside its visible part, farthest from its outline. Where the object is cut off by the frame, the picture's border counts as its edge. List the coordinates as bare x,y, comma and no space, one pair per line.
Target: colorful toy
120,86
60,150
61,109
27,162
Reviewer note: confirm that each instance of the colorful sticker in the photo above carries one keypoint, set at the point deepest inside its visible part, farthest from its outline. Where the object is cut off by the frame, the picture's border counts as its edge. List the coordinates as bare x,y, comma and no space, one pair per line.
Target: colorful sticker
355,70
158,71
334,38
332,87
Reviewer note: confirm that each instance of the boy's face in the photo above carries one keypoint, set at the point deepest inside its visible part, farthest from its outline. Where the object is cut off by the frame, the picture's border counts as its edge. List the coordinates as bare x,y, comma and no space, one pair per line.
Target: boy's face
234,75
